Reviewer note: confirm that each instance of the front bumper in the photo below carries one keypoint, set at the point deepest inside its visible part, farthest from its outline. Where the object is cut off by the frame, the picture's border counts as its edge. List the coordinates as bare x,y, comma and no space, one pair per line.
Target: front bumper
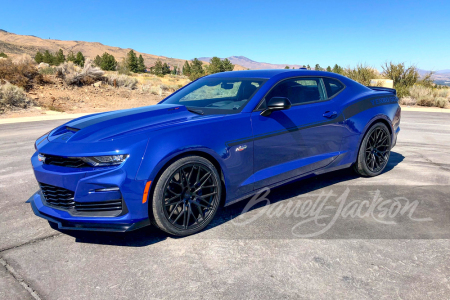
83,223
85,183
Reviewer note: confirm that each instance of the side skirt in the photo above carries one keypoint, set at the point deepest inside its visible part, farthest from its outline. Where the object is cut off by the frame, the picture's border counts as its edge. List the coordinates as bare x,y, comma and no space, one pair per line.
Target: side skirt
303,176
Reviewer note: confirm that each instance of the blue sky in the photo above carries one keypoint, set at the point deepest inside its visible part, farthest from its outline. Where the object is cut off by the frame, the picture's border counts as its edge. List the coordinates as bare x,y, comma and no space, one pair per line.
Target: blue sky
294,32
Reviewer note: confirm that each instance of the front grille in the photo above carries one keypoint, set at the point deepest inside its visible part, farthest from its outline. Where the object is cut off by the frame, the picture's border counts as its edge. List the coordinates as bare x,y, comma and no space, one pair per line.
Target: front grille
69,162
64,199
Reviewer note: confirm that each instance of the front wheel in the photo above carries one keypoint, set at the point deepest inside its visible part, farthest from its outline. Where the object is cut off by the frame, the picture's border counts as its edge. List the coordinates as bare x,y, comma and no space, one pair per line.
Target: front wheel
186,196
374,151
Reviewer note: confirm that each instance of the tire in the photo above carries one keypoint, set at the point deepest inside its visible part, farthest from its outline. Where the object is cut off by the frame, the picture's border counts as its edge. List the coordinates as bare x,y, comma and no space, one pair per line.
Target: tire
186,196
374,151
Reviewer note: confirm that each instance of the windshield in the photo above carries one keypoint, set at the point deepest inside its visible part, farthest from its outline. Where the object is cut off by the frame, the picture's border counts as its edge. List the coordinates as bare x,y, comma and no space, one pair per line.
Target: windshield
216,95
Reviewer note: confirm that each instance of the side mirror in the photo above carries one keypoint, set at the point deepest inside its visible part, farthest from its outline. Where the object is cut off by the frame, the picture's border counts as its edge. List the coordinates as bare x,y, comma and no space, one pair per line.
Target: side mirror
276,103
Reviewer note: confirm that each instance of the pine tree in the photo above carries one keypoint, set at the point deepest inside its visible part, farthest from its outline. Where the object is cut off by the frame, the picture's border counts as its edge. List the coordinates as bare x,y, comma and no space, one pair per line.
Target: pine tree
98,61
197,70
39,57
157,69
174,71
79,59
59,57
308,67
227,65
186,68
48,58
317,67
166,69
108,62
328,69
287,67
132,61
71,57
338,69
2,54
141,64
215,65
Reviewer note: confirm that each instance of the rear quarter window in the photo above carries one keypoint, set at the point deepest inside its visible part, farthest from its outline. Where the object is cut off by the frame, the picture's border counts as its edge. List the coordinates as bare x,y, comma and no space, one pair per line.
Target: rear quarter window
332,86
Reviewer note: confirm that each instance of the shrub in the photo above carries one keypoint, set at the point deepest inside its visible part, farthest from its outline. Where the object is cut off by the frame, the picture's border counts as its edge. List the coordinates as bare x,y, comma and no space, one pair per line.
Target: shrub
2,54
122,67
12,96
441,102
362,74
442,93
47,71
122,80
407,101
423,95
403,77
71,74
23,74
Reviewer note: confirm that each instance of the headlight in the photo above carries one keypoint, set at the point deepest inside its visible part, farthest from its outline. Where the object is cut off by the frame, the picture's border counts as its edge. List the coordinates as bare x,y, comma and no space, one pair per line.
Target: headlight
100,161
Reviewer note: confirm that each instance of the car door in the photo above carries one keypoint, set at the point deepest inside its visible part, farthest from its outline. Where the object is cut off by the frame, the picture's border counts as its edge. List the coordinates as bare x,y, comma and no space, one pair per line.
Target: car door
304,138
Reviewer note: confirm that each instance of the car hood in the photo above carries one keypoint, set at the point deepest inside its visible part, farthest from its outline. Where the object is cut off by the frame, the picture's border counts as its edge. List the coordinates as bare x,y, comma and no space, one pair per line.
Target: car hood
116,124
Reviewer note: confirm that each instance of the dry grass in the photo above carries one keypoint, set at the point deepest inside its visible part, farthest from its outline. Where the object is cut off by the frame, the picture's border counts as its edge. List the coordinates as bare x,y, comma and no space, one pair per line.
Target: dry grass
74,75
425,96
121,80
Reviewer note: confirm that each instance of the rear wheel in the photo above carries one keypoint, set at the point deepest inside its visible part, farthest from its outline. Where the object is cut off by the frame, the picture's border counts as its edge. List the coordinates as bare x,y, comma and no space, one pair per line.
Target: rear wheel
186,196
374,151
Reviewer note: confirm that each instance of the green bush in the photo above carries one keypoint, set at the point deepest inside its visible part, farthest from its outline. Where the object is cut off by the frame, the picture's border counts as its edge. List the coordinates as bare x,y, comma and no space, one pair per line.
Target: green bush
402,76
2,54
362,74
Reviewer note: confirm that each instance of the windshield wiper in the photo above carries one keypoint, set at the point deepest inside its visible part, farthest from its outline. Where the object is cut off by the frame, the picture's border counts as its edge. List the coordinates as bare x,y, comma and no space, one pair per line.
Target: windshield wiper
195,111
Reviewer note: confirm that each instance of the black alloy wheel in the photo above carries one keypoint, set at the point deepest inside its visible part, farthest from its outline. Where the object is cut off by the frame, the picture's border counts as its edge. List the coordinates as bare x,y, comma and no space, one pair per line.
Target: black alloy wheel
374,151
187,196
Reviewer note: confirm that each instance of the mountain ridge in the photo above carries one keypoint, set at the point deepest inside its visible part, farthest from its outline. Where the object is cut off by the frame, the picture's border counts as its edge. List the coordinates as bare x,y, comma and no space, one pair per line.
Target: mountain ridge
251,64
15,44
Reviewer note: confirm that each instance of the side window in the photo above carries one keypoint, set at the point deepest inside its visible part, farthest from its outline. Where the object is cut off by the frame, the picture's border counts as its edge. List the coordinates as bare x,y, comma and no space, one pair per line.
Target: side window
298,91
332,86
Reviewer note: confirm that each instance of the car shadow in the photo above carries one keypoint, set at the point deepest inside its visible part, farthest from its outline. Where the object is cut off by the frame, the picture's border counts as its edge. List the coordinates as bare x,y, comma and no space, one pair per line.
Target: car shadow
150,235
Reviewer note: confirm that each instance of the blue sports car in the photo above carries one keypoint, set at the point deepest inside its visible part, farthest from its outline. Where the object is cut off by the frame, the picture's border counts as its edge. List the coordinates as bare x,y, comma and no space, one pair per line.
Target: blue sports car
216,141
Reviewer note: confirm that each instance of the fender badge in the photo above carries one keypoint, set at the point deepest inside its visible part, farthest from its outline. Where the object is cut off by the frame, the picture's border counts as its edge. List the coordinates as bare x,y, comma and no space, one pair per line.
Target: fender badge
241,148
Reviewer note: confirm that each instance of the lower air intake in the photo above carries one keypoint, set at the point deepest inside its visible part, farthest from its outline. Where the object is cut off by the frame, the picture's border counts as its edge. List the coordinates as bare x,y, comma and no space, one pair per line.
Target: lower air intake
62,198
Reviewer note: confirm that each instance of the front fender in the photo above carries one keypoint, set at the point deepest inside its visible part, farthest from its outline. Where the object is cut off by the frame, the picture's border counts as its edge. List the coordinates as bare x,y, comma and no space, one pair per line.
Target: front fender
210,137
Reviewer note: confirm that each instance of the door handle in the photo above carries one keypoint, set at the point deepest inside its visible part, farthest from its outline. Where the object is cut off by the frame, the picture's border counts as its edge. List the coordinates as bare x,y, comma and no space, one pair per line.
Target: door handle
330,114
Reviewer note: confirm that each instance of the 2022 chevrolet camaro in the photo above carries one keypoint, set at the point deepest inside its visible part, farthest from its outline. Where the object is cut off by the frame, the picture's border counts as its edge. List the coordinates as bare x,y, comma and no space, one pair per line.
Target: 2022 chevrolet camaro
218,140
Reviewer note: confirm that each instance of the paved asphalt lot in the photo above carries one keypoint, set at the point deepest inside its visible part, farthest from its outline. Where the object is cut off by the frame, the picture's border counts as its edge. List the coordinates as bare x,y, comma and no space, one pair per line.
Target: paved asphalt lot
266,252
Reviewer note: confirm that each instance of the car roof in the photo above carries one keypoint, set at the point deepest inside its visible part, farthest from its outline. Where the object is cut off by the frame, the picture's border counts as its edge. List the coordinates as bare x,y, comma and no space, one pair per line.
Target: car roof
271,73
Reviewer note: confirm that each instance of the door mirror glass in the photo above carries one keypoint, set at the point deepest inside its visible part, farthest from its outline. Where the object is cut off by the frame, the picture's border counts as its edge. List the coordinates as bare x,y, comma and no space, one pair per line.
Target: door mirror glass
276,103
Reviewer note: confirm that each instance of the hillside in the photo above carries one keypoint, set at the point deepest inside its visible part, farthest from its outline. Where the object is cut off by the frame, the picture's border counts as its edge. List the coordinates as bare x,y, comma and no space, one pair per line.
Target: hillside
14,44
253,65
439,77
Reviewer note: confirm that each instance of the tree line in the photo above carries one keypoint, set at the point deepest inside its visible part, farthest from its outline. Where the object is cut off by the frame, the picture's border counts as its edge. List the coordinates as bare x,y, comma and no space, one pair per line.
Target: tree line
55,59
195,69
